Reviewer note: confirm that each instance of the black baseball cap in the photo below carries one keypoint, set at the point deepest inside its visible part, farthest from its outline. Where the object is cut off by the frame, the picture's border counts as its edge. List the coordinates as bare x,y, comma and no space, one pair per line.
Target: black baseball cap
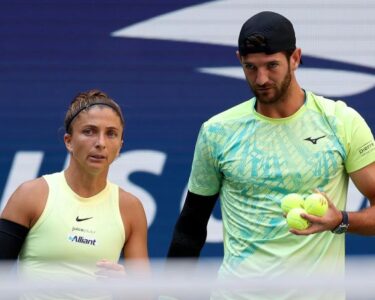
267,32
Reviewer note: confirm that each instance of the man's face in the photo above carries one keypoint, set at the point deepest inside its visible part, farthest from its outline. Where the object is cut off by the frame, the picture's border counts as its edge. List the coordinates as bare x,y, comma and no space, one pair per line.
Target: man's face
269,76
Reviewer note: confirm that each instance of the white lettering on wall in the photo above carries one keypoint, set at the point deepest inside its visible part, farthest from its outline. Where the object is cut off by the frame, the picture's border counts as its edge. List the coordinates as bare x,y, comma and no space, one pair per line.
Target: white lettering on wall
25,167
138,161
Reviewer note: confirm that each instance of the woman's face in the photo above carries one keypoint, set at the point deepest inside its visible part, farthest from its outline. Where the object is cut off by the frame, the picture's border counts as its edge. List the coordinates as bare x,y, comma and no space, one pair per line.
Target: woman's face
96,139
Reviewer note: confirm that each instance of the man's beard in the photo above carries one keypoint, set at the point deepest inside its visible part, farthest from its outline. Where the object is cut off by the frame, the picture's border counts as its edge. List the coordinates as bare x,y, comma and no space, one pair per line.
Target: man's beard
280,92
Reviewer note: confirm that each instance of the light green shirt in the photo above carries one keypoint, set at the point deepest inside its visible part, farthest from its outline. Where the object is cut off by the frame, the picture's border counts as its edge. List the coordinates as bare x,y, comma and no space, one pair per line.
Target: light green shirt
253,161
71,235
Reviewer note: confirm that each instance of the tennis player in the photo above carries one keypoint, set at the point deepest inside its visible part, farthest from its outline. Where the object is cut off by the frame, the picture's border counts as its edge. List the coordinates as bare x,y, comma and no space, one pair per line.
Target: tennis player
76,223
284,140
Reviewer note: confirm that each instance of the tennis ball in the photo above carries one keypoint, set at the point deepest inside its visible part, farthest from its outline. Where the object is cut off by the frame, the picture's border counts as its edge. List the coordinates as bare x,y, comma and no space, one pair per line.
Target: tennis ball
316,204
291,201
295,220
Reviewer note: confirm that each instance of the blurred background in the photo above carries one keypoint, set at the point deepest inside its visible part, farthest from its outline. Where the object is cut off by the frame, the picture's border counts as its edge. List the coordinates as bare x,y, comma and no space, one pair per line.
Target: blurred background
170,65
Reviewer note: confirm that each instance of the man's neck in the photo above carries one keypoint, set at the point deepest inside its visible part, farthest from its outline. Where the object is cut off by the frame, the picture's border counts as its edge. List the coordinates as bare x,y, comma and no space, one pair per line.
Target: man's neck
284,108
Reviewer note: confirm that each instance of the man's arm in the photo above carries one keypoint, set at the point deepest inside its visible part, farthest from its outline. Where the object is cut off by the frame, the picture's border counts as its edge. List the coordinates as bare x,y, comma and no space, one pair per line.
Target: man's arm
363,221
360,222
190,231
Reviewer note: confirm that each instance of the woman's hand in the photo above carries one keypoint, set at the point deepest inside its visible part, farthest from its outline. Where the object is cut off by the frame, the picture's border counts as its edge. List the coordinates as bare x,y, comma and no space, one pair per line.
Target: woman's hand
110,269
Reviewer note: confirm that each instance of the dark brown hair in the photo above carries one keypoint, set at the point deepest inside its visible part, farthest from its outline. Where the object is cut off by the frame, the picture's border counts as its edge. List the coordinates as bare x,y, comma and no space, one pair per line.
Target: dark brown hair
85,100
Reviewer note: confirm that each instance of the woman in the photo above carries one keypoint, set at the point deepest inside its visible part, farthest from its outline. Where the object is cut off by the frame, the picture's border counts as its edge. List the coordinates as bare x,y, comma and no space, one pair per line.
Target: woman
76,219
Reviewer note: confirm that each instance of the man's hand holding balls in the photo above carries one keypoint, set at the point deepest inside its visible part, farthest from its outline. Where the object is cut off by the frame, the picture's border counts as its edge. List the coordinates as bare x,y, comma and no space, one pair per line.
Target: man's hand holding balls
305,215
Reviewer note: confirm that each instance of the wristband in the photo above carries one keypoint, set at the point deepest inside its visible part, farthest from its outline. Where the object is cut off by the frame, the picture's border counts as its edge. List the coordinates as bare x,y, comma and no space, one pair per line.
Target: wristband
343,226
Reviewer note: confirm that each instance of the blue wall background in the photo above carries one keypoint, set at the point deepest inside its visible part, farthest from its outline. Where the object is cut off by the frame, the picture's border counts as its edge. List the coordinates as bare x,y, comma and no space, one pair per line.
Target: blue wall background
51,50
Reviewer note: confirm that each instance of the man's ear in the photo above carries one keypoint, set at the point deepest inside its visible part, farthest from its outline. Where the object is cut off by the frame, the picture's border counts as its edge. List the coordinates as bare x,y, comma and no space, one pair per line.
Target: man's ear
296,58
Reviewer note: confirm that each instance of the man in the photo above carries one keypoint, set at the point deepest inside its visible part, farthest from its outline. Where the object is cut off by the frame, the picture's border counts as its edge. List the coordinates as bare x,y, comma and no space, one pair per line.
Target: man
284,140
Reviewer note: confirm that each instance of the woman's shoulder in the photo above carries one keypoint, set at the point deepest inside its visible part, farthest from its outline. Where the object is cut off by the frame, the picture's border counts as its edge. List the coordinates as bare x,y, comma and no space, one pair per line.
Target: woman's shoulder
32,186
128,200
27,202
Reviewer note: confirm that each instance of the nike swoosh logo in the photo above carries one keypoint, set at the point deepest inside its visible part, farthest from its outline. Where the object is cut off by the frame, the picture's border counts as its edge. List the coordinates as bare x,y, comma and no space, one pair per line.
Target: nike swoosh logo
78,219
314,140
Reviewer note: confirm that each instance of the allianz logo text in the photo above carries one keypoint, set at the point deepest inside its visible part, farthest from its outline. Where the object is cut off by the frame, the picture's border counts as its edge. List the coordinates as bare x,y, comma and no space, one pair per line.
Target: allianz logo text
82,240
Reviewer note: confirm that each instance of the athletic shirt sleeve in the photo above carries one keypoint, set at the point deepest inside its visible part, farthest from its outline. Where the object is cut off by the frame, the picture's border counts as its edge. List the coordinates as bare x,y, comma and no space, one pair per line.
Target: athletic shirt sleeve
205,176
359,140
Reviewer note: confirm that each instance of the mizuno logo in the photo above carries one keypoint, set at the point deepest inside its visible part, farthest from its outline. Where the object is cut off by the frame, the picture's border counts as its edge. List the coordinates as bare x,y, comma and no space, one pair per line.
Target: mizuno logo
314,140
78,219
